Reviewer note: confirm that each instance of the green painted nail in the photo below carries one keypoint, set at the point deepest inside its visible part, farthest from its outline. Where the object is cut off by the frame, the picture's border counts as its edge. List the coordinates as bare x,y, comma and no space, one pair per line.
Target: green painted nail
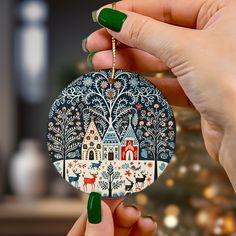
90,59
112,19
94,209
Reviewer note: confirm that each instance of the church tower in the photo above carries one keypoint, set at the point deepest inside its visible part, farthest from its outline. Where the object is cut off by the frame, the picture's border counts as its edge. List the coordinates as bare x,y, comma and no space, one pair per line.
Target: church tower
129,144
111,144
92,143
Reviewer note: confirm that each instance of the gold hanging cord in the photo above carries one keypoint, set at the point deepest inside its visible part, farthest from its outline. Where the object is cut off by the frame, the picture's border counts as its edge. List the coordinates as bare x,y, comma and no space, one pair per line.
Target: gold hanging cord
113,52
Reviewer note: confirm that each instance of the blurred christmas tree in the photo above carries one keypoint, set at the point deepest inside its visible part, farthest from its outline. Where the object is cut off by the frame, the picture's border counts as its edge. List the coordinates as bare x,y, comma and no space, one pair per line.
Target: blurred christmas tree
193,196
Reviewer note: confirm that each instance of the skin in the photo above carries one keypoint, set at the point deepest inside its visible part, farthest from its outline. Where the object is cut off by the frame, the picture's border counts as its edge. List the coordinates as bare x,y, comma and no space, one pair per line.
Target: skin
117,220
195,39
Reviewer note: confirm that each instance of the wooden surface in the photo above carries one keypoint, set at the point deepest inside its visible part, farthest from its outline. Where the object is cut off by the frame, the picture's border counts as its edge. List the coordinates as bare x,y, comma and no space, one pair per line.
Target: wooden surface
44,217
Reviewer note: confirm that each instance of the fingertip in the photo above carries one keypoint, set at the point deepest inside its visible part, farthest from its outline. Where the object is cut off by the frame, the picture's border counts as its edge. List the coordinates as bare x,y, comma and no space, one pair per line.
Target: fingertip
145,226
126,216
149,223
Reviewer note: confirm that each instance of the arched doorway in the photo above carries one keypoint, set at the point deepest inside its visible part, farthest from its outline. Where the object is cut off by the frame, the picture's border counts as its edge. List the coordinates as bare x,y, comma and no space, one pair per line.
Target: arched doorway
129,155
91,155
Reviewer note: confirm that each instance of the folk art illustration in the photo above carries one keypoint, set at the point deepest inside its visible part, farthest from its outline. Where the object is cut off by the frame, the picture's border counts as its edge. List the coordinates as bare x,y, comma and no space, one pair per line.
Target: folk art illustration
114,138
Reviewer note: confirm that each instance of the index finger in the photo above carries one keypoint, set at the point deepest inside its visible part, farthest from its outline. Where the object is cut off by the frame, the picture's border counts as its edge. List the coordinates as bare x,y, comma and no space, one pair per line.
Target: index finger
176,12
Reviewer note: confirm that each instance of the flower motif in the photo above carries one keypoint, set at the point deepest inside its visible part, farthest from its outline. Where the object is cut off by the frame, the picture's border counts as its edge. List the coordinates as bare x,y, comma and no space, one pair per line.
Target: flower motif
117,85
88,82
162,123
70,165
139,106
150,164
156,105
133,82
104,84
110,93
127,172
141,123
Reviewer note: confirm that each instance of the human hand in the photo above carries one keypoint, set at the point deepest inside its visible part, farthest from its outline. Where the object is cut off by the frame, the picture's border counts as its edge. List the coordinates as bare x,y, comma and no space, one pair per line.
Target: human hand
196,41
115,220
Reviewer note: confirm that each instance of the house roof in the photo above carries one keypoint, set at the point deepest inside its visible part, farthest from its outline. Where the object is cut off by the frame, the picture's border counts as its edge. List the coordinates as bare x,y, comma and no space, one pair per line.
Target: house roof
92,126
111,137
130,134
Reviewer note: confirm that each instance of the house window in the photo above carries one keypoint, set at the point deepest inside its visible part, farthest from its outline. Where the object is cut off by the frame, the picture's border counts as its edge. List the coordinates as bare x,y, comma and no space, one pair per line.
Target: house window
85,146
96,138
88,138
98,146
110,156
92,144
91,131
91,155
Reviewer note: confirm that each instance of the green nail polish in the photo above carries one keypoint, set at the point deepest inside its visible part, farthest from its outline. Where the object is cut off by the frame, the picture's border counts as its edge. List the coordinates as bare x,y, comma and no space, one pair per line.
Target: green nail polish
90,59
94,208
84,45
112,19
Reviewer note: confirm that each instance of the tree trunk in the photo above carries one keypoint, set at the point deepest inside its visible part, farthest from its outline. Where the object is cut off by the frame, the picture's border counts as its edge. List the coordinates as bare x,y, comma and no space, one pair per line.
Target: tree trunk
156,160
64,168
110,189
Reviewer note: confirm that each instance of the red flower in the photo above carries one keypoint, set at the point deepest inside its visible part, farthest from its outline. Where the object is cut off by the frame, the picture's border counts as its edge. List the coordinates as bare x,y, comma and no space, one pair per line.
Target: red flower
139,106
149,164
70,165
127,172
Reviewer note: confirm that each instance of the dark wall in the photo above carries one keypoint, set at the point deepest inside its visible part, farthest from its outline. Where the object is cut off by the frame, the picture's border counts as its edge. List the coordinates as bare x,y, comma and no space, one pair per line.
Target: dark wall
69,23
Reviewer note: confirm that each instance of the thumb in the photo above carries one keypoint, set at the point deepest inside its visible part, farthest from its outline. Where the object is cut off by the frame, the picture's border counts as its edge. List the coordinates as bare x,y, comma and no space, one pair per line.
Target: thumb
155,37
100,220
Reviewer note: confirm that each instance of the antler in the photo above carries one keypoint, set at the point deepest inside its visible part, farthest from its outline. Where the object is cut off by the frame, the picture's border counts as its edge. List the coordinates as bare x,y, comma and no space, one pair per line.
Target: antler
93,172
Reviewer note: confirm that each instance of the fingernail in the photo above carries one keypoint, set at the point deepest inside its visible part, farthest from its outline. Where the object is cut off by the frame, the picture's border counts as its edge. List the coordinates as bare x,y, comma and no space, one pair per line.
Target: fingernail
84,45
94,16
90,59
133,206
94,208
111,19
150,217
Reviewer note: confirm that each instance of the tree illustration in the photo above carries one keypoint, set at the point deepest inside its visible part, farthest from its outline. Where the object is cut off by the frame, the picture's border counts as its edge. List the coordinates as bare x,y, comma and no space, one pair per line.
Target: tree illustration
153,131
111,180
65,133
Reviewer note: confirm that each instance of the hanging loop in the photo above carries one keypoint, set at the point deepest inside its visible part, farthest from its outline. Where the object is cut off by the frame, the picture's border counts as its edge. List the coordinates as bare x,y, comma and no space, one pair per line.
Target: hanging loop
113,53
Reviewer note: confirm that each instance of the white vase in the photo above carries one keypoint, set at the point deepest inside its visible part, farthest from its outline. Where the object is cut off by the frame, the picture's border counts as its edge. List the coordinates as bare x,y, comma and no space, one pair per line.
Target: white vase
28,171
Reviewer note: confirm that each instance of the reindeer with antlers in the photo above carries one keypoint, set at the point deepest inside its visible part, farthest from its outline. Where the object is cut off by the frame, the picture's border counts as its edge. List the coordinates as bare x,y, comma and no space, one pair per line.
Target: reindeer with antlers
141,179
129,187
74,178
90,181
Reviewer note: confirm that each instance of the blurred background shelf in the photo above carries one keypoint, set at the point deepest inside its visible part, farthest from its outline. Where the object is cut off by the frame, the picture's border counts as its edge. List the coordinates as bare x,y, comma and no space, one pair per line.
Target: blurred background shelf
45,216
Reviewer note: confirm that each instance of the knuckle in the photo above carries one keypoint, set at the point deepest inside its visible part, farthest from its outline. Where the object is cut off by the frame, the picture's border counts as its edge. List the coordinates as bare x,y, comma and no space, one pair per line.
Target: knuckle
137,31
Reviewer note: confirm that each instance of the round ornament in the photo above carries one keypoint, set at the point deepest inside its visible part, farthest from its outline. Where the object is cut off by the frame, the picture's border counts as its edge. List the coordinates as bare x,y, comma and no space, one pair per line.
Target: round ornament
114,137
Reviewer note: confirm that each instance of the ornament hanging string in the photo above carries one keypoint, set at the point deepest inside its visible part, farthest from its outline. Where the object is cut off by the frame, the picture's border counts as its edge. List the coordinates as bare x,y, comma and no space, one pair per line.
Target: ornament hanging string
113,53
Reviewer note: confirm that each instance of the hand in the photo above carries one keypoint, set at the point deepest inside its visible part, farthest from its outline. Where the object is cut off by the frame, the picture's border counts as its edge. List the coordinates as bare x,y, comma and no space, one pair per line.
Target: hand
196,41
116,220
